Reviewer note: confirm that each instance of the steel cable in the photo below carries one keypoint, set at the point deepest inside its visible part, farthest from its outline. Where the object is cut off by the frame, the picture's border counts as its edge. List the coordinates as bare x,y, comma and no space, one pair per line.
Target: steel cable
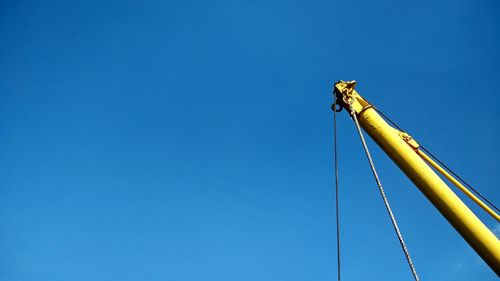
442,164
336,184
384,197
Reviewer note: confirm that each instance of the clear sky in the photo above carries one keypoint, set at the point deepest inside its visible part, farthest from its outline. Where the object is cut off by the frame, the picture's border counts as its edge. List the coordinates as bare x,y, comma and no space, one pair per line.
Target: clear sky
192,140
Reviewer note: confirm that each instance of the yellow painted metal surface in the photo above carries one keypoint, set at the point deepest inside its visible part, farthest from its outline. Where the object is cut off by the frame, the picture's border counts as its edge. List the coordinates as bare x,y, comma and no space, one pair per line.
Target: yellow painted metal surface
458,184
402,151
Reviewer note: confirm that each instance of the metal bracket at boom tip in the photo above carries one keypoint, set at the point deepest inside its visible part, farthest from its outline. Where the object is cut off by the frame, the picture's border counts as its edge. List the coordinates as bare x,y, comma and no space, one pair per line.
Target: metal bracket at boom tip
342,91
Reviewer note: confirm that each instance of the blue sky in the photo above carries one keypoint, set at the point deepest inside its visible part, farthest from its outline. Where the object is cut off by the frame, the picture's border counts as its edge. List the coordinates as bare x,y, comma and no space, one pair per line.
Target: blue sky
192,140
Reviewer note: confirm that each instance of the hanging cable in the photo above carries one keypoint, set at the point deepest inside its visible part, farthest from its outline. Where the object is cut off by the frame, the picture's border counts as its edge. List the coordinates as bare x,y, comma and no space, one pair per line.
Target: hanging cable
336,183
386,202
442,164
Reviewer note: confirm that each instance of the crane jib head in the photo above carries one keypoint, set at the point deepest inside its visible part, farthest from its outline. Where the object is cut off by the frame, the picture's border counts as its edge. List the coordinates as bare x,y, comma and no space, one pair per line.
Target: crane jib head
347,97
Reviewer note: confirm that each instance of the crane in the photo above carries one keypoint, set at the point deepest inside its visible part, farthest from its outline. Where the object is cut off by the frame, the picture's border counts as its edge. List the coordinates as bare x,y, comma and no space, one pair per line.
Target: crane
407,154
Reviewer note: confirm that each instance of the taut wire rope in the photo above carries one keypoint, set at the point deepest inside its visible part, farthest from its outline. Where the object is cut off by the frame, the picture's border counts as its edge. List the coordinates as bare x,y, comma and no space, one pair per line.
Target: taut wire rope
384,197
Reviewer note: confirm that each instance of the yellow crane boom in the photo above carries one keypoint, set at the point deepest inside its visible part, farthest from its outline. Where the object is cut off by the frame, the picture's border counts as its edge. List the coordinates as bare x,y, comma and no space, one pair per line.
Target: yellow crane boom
404,151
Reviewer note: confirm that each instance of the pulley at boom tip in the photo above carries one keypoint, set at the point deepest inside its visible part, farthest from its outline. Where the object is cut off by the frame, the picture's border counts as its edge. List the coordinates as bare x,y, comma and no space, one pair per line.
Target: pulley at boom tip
342,91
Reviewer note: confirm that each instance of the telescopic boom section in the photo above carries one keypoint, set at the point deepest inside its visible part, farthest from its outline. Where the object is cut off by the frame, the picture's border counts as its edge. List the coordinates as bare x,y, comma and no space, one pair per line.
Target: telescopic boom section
402,149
